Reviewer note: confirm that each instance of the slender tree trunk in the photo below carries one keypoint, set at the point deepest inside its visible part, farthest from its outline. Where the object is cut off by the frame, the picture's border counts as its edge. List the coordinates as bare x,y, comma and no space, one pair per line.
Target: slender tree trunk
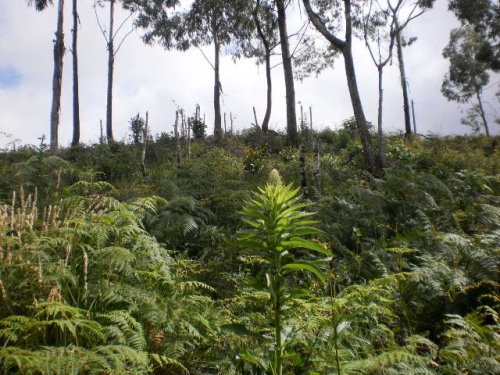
381,149
111,66
269,94
217,89
482,113
225,124
413,117
357,107
303,177
317,168
76,98
278,351
404,86
188,125
101,138
345,47
145,133
57,78
291,119
177,140
311,121
302,127
255,118
267,57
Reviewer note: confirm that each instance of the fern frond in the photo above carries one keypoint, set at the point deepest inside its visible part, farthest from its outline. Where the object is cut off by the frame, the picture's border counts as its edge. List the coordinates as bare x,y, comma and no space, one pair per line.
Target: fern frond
132,330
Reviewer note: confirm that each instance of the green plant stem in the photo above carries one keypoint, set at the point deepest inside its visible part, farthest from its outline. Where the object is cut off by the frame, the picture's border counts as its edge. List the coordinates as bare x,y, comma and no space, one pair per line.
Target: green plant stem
278,350
335,323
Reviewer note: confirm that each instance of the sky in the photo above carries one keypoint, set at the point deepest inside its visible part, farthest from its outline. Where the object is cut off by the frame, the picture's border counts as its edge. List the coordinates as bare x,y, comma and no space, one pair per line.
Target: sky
149,78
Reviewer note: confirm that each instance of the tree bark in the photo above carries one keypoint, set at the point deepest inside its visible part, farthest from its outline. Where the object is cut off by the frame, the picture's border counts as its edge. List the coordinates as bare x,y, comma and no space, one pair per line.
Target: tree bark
76,98
404,86
381,150
291,119
177,139
145,134
255,118
303,177
413,117
317,168
345,47
111,66
269,93
267,57
482,113
357,107
217,89
59,50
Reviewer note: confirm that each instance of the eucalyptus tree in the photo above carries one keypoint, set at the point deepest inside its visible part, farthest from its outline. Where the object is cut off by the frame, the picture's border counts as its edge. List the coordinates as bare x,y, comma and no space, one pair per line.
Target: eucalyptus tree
377,26
467,76
59,50
417,9
76,100
266,27
217,22
483,15
414,10
382,23
110,38
325,20
305,56
291,117
203,23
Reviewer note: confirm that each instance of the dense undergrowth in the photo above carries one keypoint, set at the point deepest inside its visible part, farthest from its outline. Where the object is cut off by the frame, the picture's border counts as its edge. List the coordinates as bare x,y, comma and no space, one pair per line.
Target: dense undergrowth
105,270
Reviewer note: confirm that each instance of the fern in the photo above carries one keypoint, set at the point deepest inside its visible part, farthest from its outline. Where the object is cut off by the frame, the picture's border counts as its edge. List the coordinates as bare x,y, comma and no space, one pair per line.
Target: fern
471,343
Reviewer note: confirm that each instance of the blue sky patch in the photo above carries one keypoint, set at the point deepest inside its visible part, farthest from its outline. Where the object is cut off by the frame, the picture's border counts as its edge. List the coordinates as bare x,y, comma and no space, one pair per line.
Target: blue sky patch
9,77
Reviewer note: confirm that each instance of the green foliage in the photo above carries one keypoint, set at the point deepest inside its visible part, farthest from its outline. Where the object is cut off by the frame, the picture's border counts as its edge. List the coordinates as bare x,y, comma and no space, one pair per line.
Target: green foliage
277,225
85,289
198,127
467,76
136,127
472,343
87,285
482,15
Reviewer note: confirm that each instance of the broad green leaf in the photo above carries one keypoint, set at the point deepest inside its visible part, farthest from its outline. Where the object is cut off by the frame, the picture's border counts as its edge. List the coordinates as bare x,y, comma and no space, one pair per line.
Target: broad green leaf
304,266
296,243
254,358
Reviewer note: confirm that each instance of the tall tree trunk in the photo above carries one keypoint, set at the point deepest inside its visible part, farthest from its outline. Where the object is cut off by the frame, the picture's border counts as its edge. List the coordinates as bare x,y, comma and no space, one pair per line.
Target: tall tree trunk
111,66
291,119
345,47
269,94
482,113
404,86
255,118
57,78
302,166
357,107
267,56
381,150
413,117
317,168
217,89
145,136
177,138
76,98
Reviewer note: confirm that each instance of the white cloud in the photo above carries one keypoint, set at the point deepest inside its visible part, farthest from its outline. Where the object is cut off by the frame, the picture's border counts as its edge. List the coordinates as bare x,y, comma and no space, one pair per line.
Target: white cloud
150,79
